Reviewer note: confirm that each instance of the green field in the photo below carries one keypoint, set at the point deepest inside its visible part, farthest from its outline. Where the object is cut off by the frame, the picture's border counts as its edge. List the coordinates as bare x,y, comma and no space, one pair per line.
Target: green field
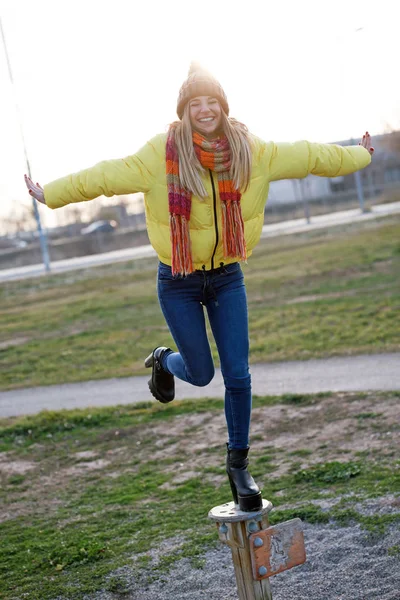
325,293
96,499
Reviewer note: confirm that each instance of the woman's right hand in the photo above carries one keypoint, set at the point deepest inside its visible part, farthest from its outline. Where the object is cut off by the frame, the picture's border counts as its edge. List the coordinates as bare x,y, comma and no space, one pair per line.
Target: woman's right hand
36,191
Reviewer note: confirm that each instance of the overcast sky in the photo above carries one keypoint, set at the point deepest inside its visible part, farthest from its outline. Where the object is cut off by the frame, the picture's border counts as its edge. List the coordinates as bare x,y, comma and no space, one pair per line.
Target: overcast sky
95,80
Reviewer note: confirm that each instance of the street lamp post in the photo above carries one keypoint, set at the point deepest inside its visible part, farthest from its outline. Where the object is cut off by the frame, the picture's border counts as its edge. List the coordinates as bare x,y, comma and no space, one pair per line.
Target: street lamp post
360,191
357,174
42,236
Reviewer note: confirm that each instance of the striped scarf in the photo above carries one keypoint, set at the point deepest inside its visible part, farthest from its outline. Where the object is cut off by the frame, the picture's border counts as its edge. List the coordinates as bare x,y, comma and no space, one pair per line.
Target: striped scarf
214,155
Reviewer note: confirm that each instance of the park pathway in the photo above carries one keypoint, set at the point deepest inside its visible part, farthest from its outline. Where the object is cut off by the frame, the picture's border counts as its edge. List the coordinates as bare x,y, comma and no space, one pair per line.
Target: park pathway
350,373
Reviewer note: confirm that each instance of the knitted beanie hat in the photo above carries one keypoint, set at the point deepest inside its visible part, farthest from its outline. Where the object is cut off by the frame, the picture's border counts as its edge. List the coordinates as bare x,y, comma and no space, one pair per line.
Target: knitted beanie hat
200,83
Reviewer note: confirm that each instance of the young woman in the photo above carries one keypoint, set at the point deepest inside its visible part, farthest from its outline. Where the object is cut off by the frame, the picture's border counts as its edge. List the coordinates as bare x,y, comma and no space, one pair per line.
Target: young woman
205,184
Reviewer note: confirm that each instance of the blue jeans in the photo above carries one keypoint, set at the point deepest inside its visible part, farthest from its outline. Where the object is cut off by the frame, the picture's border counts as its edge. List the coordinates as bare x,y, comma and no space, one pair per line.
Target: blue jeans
223,293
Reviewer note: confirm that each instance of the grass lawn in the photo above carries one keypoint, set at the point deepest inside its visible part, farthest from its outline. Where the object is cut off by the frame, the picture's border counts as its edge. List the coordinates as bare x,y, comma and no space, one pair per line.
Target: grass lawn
89,495
318,294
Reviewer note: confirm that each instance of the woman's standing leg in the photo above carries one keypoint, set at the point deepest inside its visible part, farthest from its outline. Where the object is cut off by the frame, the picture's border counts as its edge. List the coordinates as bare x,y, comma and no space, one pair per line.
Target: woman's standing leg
229,322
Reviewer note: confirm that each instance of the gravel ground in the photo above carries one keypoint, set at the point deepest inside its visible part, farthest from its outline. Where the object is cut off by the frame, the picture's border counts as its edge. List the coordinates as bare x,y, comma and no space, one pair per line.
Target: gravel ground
343,563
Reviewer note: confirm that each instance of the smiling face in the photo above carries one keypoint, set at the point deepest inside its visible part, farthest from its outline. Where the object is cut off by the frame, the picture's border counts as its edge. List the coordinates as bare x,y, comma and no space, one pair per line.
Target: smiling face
205,116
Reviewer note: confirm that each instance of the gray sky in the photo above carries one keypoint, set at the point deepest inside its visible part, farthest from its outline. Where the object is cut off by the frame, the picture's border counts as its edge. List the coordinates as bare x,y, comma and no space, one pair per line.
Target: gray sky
96,79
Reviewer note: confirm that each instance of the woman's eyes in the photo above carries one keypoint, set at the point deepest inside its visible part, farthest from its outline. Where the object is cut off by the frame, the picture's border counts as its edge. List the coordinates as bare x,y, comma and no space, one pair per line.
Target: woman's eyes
194,105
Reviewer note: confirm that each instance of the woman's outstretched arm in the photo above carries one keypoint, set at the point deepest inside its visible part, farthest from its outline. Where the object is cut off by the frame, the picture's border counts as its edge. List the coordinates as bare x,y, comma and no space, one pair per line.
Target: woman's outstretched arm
109,178
295,161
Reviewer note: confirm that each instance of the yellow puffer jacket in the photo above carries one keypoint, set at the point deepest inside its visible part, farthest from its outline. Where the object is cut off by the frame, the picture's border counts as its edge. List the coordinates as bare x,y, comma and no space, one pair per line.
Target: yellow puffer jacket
145,172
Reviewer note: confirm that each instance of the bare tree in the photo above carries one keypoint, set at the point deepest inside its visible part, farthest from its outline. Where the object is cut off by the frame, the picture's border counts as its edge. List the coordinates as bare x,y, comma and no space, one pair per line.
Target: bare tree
21,218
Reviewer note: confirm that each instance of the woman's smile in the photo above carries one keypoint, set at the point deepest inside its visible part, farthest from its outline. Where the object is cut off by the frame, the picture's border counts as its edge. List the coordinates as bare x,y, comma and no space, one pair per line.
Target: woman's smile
205,115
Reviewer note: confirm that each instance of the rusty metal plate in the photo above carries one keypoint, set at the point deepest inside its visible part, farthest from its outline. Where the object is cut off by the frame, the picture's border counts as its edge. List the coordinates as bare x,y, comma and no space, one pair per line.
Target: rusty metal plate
277,548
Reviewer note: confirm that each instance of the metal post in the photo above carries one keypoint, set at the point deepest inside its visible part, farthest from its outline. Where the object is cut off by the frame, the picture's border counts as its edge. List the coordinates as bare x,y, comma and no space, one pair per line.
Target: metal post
304,200
371,191
258,550
234,529
360,192
42,236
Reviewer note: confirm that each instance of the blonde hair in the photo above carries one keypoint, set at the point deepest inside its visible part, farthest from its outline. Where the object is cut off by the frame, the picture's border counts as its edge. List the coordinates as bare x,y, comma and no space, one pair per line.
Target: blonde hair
190,168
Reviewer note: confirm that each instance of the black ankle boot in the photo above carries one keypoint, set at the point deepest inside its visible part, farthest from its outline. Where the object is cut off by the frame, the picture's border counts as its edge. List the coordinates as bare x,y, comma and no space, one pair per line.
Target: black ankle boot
245,491
161,384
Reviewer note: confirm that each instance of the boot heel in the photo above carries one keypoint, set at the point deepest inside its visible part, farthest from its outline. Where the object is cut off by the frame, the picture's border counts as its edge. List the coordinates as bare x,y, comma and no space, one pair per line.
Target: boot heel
234,490
149,361
251,503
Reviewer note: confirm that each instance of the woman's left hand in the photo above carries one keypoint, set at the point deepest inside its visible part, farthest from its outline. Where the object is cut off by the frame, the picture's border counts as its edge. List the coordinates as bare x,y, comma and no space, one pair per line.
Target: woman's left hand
366,143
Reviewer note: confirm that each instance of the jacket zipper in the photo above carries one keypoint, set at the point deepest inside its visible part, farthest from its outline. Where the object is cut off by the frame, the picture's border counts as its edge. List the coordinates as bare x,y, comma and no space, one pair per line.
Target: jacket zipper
215,220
